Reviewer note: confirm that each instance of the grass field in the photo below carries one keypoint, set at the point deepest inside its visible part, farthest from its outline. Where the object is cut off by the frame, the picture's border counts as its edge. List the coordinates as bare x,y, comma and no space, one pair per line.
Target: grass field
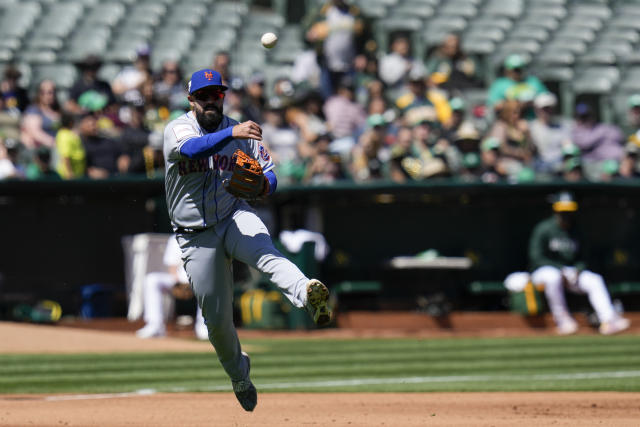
579,363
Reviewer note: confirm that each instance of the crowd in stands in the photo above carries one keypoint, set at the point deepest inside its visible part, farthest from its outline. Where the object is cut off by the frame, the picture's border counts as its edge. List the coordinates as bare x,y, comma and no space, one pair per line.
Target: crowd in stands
347,111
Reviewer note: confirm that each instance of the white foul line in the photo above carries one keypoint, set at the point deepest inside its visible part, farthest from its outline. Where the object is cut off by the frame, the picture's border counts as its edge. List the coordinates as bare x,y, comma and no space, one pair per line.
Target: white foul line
365,381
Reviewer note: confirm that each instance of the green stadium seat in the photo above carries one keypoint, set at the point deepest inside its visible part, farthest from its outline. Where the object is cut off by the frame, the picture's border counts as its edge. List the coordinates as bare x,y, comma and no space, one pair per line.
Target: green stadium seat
529,32
509,46
575,46
628,22
591,22
43,42
105,14
630,81
597,57
464,8
412,10
64,75
6,55
439,27
10,43
625,34
541,12
480,23
510,8
37,56
584,34
600,11
494,35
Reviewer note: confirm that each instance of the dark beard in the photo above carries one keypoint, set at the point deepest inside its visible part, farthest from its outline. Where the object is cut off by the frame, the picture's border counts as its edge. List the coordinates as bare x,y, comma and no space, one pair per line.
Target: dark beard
209,119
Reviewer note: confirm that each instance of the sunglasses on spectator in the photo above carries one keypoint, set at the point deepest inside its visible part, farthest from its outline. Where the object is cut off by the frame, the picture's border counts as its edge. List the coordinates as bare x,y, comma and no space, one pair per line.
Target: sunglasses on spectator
206,94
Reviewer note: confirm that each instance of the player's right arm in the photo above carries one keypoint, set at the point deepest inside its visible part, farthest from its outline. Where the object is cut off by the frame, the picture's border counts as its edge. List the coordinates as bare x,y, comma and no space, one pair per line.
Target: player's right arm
199,147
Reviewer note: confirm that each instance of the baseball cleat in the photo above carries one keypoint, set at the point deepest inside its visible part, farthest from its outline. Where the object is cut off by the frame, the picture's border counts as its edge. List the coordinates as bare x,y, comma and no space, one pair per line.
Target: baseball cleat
245,391
151,331
614,326
568,327
317,299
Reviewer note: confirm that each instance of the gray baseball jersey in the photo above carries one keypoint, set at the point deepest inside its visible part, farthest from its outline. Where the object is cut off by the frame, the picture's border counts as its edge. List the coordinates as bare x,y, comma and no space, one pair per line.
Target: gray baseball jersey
195,195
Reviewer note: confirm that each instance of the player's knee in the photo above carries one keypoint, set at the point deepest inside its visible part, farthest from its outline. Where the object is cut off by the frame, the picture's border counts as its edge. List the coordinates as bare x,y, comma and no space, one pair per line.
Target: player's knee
589,280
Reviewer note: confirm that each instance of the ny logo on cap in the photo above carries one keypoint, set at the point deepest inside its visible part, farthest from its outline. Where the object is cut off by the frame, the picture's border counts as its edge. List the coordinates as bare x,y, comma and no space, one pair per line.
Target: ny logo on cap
208,75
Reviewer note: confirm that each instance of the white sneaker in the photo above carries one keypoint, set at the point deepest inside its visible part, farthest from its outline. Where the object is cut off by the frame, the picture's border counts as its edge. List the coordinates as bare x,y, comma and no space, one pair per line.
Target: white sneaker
151,331
619,324
567,327
202,333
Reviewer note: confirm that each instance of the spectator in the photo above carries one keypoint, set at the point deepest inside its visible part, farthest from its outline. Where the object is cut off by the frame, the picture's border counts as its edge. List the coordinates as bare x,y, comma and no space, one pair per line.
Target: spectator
134,138
170,89
334,30
597,141
9,167
450,67
222,64
632,124
88,82
306,116
10,119
345,117
174,281
406,156
41,119
458,113
234,100
255,98
419,97
549,133
105,156
494,168
282,140
366,80
369,158
40,166
323,167
13,95
572,170
71,155
630,166
515,84
556,257
396,65
512,131
128,82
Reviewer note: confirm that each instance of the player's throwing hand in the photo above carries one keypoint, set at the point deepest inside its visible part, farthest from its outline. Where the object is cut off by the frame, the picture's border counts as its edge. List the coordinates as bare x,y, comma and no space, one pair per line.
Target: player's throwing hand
247,130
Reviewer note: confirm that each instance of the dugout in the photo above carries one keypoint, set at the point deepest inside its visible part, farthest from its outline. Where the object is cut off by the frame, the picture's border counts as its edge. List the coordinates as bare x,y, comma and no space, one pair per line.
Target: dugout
60,236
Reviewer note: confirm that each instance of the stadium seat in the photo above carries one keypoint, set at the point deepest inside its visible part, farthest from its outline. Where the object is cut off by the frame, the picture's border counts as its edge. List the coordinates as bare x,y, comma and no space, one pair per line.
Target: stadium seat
385,29
62,74
549,57
105,14
439,27
543,11
529,32
510,8
584,34
37,56
464,8
412,10
591,22
482,23
597,57
625,34
628,22
575,46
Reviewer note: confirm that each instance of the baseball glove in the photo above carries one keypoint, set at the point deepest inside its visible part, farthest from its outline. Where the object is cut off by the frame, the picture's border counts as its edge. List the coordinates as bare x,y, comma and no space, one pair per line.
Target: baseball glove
182,291
248,181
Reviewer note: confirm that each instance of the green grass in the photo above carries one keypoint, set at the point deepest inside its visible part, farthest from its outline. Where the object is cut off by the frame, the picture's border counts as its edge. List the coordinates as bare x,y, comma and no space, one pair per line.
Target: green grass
452,364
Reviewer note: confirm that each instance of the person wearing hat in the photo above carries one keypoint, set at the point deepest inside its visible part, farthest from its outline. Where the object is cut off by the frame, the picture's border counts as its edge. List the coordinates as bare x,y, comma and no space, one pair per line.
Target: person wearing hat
214,226
88,81
419,94
127,84
450,67
556,258
597,141
549,133
515,83
493,167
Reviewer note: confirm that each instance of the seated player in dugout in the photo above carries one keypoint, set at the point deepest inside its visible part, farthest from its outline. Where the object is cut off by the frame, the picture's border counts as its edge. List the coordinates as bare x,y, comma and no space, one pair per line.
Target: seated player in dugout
556,257
213,166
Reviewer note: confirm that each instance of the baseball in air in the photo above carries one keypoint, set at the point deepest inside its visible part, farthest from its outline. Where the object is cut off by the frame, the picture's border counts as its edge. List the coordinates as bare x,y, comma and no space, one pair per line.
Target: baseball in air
269,40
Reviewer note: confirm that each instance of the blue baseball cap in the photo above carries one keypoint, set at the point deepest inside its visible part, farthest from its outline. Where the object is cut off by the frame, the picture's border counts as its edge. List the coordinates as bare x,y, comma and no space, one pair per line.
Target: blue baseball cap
205,78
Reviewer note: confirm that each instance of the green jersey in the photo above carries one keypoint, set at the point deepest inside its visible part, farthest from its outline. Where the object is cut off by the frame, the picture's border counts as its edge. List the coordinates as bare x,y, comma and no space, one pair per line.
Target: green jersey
552,245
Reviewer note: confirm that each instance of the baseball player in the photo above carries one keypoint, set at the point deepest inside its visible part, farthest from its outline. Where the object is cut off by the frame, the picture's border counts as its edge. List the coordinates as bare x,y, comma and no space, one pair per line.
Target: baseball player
554,254
212,164
175,281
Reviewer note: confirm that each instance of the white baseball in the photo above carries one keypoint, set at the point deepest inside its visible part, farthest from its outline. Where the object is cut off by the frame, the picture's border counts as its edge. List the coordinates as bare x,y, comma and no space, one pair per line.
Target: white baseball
269,40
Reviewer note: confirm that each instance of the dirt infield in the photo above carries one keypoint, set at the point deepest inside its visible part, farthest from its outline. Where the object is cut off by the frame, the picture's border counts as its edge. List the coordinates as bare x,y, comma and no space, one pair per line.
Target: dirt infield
289,409
335,409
